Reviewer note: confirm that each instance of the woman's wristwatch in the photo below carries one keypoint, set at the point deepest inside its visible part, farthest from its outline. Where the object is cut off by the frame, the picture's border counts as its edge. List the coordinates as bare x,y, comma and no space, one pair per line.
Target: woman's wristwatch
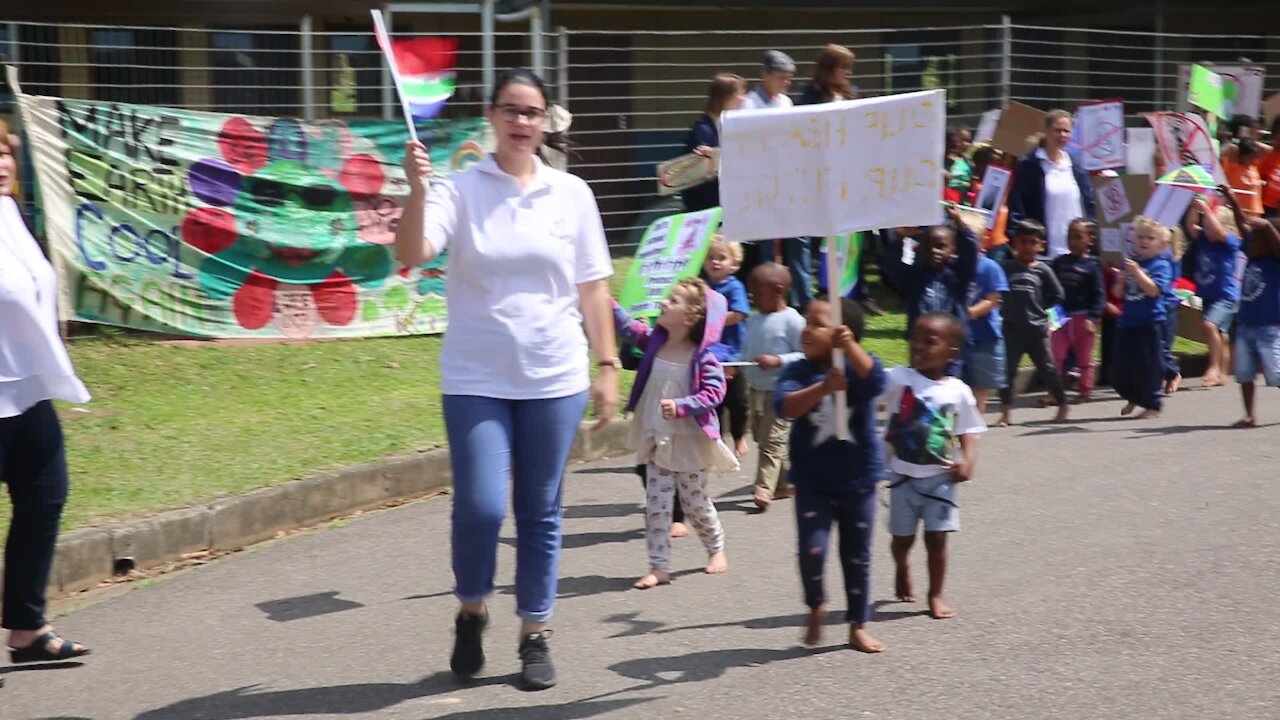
614,363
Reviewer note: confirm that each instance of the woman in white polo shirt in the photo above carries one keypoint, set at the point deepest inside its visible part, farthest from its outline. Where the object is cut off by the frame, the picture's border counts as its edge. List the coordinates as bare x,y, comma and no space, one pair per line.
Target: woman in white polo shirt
528,268
34,370
1050,186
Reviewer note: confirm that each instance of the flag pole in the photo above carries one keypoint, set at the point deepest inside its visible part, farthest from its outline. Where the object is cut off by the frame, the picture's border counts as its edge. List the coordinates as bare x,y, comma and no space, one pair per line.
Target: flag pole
835,272
384,43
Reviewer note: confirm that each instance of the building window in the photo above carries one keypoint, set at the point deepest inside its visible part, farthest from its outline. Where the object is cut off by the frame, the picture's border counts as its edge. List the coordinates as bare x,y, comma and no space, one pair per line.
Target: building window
135,66
257,73
355,75
39,55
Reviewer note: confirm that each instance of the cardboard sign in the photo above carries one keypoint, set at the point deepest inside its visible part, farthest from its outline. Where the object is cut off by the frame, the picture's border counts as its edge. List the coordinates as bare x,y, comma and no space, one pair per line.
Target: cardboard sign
1100,128
687,171
1019,129
1112,222
833,168
1271,110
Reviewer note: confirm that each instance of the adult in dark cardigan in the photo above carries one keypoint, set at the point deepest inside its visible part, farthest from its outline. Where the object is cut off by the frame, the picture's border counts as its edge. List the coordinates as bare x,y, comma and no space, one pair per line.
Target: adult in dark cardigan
727,92
1043,189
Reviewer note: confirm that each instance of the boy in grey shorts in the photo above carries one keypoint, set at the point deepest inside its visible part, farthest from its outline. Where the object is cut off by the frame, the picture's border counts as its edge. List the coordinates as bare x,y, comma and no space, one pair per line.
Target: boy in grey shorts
932,436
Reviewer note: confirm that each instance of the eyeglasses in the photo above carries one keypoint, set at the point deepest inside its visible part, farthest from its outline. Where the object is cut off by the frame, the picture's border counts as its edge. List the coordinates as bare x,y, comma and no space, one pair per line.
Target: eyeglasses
532,115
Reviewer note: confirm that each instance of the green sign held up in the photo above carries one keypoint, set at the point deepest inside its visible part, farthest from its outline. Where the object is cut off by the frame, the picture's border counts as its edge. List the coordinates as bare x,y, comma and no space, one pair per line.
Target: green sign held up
673,248
1206,90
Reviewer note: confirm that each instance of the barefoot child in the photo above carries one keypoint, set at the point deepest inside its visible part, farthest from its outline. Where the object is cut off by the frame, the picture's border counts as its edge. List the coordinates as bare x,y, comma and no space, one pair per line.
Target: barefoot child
723,260
1258,329
1083,301
1215,245
772,341
932,437
676,432
1033,289
834,479
984,368
1138,363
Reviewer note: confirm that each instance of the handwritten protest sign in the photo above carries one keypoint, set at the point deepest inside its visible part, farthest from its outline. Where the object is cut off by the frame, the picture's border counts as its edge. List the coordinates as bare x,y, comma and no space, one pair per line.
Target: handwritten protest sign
1019,129
1117,198
1101,135
1241,88
1183,139
833,168
673,248
232,225
996,182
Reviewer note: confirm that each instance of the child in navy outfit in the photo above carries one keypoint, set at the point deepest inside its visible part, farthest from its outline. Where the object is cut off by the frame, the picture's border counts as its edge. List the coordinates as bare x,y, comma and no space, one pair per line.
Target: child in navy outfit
1258,323
834,479
1138,364
1215,246
945,263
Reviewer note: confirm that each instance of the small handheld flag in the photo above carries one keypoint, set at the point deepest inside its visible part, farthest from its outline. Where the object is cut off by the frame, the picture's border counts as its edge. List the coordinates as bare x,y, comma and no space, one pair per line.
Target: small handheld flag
422,69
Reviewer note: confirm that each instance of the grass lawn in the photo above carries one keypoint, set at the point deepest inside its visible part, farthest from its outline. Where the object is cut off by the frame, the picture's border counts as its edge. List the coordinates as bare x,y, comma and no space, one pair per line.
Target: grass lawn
172,425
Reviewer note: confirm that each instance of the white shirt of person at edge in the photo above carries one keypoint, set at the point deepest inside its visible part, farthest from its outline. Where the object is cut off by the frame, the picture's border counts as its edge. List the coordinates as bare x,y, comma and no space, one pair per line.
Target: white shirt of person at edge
757,101
1062,202
516,257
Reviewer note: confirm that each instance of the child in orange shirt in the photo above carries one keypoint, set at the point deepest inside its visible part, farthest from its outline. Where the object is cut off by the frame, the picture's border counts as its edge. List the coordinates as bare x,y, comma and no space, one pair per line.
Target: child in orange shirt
1240,164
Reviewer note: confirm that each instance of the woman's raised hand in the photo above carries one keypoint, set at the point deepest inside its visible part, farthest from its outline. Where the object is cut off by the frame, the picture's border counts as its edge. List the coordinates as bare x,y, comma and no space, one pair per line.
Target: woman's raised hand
417,166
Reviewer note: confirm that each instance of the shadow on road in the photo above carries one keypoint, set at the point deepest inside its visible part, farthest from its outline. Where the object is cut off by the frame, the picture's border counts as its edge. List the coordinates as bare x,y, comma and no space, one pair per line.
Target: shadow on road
64,665
565,711
878,614
581,540
606,510
306,606
703,666
245,702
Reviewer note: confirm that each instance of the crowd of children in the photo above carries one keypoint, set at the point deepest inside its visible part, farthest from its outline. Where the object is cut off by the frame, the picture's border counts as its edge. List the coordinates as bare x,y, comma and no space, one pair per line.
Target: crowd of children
975,306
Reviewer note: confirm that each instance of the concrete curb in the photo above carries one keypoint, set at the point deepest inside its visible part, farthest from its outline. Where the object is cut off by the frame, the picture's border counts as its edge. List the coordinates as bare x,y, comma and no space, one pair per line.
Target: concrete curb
87,557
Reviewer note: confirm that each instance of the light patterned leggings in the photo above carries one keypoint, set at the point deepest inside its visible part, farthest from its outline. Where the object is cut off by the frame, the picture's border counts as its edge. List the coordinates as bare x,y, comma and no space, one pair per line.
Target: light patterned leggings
662,486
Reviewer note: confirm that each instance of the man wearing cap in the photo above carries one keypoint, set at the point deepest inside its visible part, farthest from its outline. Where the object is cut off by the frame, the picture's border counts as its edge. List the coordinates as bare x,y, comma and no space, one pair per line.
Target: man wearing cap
776,73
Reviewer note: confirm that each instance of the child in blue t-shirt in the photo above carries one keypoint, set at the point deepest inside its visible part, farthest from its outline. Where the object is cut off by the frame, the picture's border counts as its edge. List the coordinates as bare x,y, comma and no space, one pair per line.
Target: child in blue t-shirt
722,263
1258,322
1215,246
984,359
1138,364
834,479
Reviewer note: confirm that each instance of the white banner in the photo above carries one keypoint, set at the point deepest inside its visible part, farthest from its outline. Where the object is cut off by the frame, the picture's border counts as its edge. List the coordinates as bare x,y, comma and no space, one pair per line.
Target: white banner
834,168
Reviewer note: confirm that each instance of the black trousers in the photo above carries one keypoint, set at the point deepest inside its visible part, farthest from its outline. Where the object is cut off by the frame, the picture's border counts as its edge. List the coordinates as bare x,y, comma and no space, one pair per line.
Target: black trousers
1137,365
734,407
33,464
1108,340
1019,341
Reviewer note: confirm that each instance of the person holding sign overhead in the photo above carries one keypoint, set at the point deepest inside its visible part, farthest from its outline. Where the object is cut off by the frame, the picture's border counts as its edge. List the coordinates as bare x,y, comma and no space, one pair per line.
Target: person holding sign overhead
1050,187
727,92
528,269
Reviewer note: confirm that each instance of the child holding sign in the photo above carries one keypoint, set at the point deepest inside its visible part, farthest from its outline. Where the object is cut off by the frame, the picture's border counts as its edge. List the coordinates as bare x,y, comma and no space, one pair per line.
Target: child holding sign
835,480
1215,245
1258,333
675,429
1138,363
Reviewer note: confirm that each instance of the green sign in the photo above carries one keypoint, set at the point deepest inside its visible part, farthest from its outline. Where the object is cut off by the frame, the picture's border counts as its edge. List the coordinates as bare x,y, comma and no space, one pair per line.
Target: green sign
236,226
673,248
848,254
1206,90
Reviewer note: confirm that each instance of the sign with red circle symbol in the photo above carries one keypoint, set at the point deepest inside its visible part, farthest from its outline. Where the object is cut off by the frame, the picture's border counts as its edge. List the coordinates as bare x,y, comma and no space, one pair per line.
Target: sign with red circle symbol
1183,139
1101,135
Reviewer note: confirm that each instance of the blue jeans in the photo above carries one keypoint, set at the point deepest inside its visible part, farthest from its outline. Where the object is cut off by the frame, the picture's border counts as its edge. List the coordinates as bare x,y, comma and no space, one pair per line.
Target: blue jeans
799,260
517,448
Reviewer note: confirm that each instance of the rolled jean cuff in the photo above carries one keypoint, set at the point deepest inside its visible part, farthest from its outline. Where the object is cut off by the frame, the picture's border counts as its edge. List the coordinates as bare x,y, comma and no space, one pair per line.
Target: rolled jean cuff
471,599
534,617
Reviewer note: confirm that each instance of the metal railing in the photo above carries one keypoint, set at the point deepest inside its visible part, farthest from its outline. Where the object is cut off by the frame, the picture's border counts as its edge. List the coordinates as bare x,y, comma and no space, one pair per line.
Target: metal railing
633,93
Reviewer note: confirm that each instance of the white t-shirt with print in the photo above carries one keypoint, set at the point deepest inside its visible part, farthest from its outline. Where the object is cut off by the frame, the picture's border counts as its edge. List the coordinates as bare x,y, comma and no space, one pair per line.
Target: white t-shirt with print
925,419
516,257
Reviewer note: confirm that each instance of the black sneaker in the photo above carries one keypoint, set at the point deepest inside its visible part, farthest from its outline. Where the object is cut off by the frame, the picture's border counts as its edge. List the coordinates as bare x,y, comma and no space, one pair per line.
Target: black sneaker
468,652
537,672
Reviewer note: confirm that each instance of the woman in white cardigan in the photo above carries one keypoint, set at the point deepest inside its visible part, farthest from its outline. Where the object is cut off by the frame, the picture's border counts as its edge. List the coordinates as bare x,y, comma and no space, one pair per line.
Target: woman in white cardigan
34,371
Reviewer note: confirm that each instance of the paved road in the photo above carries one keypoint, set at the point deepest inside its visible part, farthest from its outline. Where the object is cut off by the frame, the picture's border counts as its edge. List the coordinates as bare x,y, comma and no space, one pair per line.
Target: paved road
1108,569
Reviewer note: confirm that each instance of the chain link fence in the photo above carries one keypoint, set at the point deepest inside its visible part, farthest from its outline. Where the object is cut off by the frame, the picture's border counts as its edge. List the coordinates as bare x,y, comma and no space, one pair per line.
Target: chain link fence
633,93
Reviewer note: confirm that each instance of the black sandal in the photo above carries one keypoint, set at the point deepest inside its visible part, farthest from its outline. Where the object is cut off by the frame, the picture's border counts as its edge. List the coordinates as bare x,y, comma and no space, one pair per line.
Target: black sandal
38,651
